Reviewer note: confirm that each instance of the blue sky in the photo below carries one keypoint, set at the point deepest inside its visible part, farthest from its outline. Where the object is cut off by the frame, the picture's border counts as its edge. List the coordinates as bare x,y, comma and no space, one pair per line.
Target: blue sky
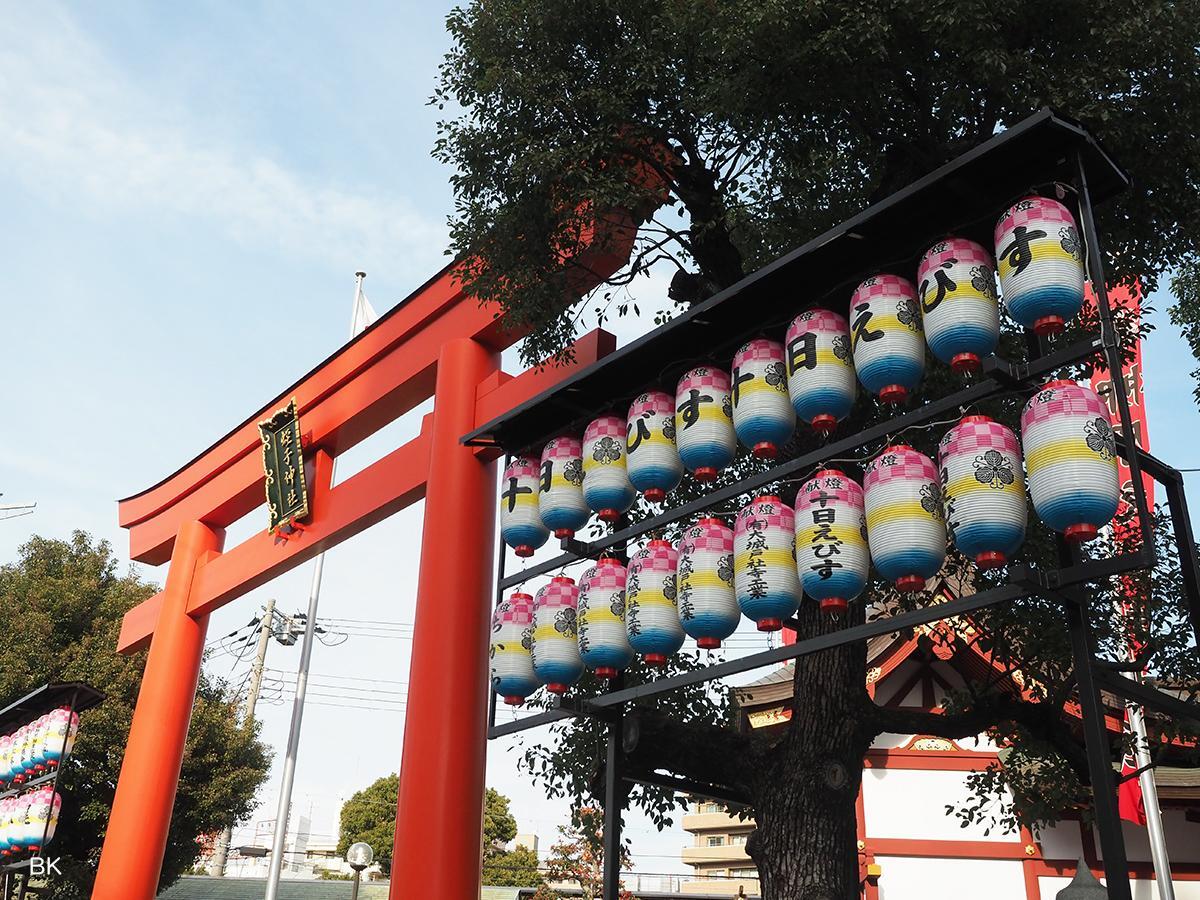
178,184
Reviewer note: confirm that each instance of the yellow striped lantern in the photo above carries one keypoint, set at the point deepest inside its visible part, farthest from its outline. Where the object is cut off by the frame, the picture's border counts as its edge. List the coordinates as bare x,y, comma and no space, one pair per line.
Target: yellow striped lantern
906,529
708,606
885,337
1071,459
606,485
704,422
654,465
764,562
1040,260
556,659
763,416
651,597
831,540
821,378
983,490
959,310
603,644
560,487
512,639
520,521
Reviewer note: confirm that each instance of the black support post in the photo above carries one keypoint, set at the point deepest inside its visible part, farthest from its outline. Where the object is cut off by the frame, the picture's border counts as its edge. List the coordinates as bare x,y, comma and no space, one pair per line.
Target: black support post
615,792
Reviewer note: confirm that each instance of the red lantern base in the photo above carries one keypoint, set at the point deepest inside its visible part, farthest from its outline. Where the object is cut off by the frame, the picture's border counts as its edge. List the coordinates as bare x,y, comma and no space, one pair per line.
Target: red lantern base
561,533
1081,533
705,474
991,559
708,643
910,583
556,688
1049,325
515,701
965,362
770,624
894,394
658,660
824,423
765,450
655,495
523,550
831,605
606,672
609,515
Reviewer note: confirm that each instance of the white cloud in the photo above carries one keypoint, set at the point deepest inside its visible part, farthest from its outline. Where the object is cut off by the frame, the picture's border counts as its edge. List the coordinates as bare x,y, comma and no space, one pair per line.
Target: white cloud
80,129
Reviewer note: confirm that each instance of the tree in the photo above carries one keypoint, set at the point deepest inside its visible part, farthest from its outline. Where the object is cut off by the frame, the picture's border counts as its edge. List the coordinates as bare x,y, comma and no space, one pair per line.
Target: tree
370,816
517,867
61,606
727,133
578,857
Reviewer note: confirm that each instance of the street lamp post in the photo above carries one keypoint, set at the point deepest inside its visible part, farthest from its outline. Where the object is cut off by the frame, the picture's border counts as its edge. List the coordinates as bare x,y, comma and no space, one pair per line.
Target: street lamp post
359,856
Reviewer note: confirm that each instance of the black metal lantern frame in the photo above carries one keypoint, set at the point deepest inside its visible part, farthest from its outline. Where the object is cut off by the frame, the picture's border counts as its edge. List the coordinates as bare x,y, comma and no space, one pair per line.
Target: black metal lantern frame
964,197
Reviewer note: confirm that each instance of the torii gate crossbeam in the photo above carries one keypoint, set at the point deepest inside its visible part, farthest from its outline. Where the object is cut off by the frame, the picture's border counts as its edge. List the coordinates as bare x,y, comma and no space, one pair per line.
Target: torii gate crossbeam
439,342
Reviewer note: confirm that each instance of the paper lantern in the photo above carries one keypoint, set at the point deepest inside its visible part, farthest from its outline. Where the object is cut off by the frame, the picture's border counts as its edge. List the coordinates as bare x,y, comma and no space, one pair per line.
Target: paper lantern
20,755
603,644
651,595
606,485
6,826
885,337
704,422
906,529
1071,459
959,311
520,521
556,659
513,677
831,539
654,464
708,608
762,411
983,490
764,562
821,378
60,738
37,752
5,753
42,818
1040,260
560,487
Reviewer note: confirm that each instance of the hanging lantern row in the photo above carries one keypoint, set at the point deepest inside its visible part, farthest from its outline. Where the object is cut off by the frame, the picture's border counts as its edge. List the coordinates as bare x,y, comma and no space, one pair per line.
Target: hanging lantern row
811,378
899,520
37,747
28,821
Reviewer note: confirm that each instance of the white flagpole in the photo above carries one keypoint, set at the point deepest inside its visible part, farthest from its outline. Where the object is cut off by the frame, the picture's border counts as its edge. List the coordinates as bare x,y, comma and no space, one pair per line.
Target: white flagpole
361,316
1154,822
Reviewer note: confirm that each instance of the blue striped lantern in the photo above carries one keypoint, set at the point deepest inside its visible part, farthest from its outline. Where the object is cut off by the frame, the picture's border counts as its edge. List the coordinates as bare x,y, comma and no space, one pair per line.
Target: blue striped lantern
520,521
512,639
906,529
1071,458
763,416
885,337
708,606
556,659
606,485
603,644
1040,260
820,374
831,540
654,464
651,598
983,490
704,422
560,487
764,562
957,284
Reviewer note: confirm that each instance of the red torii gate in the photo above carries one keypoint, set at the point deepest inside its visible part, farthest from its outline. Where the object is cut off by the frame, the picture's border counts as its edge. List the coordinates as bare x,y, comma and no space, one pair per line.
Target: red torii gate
439,342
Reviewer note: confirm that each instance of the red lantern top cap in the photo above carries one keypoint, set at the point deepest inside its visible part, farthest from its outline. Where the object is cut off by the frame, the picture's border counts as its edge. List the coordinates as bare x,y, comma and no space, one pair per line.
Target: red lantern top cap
1059,382
659,542
900,447
975,420
562,579
524,596
830,473
609,560
711,520
768,498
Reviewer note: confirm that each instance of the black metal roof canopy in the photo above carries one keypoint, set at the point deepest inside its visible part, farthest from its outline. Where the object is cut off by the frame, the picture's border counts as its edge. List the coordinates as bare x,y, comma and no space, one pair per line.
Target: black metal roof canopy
46,698
965,197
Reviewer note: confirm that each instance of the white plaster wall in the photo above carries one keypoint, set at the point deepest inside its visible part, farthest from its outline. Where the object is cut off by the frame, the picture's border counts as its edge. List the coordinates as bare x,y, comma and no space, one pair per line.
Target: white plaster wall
950,879
1061,841
903,803
1183,839
1142,890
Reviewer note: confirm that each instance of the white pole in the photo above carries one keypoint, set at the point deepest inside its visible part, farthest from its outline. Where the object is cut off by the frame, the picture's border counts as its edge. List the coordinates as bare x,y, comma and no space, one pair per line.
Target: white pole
1154,823
357,324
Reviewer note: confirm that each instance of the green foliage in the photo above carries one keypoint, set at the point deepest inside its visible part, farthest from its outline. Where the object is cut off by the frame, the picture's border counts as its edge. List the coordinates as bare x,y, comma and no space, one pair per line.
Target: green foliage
1185,285
370,816
499,826
511,868
578,857
61,606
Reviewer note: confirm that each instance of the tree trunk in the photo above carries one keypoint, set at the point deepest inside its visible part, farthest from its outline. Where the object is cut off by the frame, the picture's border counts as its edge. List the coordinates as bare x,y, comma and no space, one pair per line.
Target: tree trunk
805,845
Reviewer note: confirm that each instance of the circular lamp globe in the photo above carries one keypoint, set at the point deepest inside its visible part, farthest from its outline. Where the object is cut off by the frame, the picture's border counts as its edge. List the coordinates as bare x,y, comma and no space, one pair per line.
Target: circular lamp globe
360,855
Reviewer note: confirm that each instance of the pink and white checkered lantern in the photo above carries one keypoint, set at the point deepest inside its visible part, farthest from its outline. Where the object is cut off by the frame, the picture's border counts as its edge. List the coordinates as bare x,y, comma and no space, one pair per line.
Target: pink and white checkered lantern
1039,256
603,644
708,606
606,485
906,529
885,337
821,378
556,659
763,416
651,603
520,519
654,464
831,539
957,284
704,431
764,562
560,487
512,641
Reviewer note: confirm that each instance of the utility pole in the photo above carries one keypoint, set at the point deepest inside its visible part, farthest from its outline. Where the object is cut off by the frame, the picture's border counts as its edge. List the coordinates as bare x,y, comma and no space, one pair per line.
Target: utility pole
265,628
